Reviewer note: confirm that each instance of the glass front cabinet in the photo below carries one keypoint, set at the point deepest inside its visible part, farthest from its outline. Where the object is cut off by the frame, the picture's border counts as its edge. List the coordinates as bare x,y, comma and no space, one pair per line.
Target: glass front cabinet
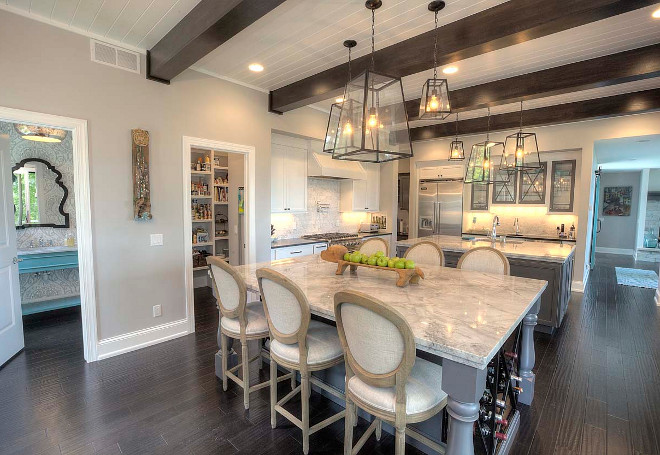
562,186
532,185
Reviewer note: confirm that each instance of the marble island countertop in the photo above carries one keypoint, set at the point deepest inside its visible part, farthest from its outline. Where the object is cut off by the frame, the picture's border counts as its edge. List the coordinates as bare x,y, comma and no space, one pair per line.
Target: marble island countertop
513,248
47,249
461,315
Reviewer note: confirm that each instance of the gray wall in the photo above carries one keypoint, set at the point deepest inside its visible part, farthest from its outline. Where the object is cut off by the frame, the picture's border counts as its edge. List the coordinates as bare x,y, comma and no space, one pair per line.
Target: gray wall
619,231
45,69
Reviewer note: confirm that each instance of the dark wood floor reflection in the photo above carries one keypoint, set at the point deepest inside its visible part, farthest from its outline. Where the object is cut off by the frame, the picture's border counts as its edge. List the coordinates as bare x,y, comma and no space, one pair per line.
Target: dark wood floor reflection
597,390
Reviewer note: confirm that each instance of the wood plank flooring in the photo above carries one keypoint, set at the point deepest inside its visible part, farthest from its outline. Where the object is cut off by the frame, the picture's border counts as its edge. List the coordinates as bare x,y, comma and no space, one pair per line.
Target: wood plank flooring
597,389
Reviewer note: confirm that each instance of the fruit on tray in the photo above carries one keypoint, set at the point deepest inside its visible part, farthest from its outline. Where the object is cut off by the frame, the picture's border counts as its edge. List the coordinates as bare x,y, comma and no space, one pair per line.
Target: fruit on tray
356,257
382,261
372,260
364,258
347,257
400,264
410,264
379,254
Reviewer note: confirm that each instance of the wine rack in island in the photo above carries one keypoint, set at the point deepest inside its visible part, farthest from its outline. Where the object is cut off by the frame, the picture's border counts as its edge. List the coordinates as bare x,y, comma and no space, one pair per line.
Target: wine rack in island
498,417
209,193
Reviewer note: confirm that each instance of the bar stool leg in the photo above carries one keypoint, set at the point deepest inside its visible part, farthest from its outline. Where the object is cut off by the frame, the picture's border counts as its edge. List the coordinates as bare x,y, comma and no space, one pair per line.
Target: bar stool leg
304,398
379,429
348,427
223,348
400,439
293,379
246,374
273,392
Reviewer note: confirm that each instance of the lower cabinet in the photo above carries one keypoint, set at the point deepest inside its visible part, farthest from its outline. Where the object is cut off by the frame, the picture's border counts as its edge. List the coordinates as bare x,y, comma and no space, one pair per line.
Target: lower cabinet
297,251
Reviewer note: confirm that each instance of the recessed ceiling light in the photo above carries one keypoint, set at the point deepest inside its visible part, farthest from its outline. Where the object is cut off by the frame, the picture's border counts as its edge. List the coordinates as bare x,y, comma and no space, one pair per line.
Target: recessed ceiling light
256,67
450,70
656,14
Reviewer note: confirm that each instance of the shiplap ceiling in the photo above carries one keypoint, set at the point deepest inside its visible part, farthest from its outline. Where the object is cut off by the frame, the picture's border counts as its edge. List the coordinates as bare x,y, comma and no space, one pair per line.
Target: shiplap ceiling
134,24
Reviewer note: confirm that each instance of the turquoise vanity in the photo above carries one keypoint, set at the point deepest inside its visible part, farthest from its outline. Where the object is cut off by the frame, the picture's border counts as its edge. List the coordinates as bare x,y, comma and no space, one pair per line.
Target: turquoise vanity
48,259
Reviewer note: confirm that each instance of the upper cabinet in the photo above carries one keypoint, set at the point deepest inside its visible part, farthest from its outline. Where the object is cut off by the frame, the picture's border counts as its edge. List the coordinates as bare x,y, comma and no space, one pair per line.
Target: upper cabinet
288,178
532,185
441,172
562,186
362,195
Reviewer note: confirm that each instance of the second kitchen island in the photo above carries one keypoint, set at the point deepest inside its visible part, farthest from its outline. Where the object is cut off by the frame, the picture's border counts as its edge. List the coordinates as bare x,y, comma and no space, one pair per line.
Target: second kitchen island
548,261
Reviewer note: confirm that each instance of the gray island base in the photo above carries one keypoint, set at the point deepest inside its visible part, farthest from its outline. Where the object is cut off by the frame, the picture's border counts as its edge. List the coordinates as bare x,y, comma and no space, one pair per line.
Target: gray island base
460,320
548,261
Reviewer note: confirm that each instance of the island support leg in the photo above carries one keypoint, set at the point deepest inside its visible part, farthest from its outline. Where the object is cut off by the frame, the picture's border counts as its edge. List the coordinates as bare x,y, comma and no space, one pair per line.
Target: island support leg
465,387
528,356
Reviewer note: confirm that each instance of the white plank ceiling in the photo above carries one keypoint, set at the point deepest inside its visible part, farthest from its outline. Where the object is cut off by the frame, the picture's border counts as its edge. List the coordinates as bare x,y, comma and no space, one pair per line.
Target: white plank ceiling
134,24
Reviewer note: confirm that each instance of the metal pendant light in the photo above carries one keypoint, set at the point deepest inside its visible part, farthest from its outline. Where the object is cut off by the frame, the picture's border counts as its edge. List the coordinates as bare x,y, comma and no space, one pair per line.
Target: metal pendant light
456,149
434,104
40,133
521,150
333,130
479,167
373,121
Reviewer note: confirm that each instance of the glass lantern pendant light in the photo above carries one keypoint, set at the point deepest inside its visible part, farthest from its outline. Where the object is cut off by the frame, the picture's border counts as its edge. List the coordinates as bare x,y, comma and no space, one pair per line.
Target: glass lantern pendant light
434,104
373,123
456,149
521,150
479,167
333,130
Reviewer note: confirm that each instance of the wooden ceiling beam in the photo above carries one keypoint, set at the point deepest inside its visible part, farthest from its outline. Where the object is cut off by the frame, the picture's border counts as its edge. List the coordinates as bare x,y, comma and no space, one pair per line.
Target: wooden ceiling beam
205,27
629,66
507,24
610,106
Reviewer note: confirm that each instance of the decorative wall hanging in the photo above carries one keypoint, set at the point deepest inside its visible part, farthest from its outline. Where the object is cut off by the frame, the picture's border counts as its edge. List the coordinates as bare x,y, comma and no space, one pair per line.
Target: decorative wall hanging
434,104
373,119
141,190
617,200
333,131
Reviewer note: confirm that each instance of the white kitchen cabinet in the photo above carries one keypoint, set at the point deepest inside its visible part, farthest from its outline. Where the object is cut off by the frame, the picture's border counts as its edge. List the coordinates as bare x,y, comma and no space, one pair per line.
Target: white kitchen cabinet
288,179
362,195
297,251
441,172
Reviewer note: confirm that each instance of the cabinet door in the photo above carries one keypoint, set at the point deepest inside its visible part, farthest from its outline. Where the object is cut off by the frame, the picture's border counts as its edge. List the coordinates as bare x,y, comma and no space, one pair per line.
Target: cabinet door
277,195
295,179
372,196
562,186
360,195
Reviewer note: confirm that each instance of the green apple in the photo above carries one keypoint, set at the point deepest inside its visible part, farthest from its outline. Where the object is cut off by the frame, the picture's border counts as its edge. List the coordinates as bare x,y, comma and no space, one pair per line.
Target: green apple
400,264
347,257
364,258
390,263
410,264
382,261
379,254
356,257
372,260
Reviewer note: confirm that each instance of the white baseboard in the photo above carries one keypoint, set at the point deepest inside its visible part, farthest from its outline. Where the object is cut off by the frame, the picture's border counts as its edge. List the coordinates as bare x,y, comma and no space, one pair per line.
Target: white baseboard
579,285
625,251
120,344
201,281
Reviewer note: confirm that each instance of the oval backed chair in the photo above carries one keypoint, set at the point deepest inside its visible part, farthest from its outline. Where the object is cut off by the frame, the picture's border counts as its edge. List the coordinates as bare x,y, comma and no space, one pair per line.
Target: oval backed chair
426,252
297,343
370,246
238,320
383,376
485,259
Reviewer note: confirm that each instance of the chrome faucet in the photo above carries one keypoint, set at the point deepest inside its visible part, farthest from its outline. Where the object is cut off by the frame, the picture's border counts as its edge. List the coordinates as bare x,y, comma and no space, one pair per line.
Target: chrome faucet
516,225
496,222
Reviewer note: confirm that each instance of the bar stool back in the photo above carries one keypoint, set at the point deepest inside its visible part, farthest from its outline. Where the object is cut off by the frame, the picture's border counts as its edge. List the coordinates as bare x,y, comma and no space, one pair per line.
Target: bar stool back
239,320
485,259
426,253
383,375
297,343
370,246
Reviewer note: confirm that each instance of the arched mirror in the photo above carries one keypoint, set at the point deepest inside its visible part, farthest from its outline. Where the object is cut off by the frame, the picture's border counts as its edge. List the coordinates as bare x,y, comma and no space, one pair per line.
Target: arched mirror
39,195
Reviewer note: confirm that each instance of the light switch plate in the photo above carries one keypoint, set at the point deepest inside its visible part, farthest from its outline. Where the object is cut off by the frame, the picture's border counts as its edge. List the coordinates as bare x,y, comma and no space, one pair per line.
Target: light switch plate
157,311
156,239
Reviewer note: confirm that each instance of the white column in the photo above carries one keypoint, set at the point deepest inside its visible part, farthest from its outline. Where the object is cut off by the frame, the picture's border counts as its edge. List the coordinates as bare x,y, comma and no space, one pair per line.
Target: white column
657,291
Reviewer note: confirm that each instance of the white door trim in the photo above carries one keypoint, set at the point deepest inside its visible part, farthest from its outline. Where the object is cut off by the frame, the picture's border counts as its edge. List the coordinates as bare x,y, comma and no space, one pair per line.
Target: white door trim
250,219
78,128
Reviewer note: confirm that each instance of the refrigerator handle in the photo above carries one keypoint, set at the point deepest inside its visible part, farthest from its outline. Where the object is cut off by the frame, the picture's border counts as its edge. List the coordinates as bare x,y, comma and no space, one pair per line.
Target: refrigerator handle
437,224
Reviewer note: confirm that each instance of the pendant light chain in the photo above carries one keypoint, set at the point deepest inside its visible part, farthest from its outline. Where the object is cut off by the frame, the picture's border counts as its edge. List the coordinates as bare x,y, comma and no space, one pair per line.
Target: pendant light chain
373,32
435,48
349,64
521,115
488,127
457,126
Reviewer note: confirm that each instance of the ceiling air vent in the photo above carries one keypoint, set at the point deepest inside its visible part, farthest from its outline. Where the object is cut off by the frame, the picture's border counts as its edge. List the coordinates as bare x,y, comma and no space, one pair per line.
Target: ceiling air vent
108,54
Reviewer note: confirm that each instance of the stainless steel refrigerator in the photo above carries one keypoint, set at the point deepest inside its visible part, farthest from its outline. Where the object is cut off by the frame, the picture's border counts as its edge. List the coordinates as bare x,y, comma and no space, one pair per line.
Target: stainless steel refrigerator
440,207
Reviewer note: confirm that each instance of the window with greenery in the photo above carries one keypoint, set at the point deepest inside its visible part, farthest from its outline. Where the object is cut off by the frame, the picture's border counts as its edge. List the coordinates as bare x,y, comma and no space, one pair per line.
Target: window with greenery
26,202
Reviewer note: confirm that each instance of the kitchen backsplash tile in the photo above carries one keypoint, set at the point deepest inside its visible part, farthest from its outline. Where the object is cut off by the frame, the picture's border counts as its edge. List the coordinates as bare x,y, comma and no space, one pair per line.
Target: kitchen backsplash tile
329,219
534,221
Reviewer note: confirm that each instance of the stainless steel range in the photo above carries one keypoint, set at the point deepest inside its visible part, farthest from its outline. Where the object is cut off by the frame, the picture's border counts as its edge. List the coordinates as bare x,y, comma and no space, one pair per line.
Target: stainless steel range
349,240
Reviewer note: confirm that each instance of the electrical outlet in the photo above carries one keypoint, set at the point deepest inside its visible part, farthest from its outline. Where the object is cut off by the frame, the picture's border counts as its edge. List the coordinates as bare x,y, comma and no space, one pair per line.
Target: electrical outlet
157,311
156,239
474,220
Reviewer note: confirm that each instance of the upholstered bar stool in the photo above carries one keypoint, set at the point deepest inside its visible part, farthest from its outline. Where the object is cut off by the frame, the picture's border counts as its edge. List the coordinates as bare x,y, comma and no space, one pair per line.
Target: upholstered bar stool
427,253
370,246
485,259
239,320
297,343
383,376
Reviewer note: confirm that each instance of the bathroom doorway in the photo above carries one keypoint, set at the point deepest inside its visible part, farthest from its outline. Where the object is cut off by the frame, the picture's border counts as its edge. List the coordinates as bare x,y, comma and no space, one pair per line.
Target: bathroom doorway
47,219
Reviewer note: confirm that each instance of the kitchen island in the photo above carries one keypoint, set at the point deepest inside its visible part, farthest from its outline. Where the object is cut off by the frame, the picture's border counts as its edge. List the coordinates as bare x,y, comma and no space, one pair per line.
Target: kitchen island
549,261
459,318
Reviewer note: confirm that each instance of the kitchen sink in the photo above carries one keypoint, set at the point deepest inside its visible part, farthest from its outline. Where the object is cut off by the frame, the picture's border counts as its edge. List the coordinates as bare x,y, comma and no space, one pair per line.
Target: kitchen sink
486,239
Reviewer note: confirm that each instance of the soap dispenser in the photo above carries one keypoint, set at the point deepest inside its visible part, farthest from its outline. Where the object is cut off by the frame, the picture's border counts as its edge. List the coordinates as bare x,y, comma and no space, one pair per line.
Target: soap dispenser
69,240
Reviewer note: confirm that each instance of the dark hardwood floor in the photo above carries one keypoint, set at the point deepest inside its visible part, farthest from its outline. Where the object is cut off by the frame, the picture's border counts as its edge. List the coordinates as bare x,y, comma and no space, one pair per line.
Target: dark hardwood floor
597,389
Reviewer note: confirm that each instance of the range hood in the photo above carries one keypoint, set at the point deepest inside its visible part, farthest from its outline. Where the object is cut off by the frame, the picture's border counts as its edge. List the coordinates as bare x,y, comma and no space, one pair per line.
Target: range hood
321,165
